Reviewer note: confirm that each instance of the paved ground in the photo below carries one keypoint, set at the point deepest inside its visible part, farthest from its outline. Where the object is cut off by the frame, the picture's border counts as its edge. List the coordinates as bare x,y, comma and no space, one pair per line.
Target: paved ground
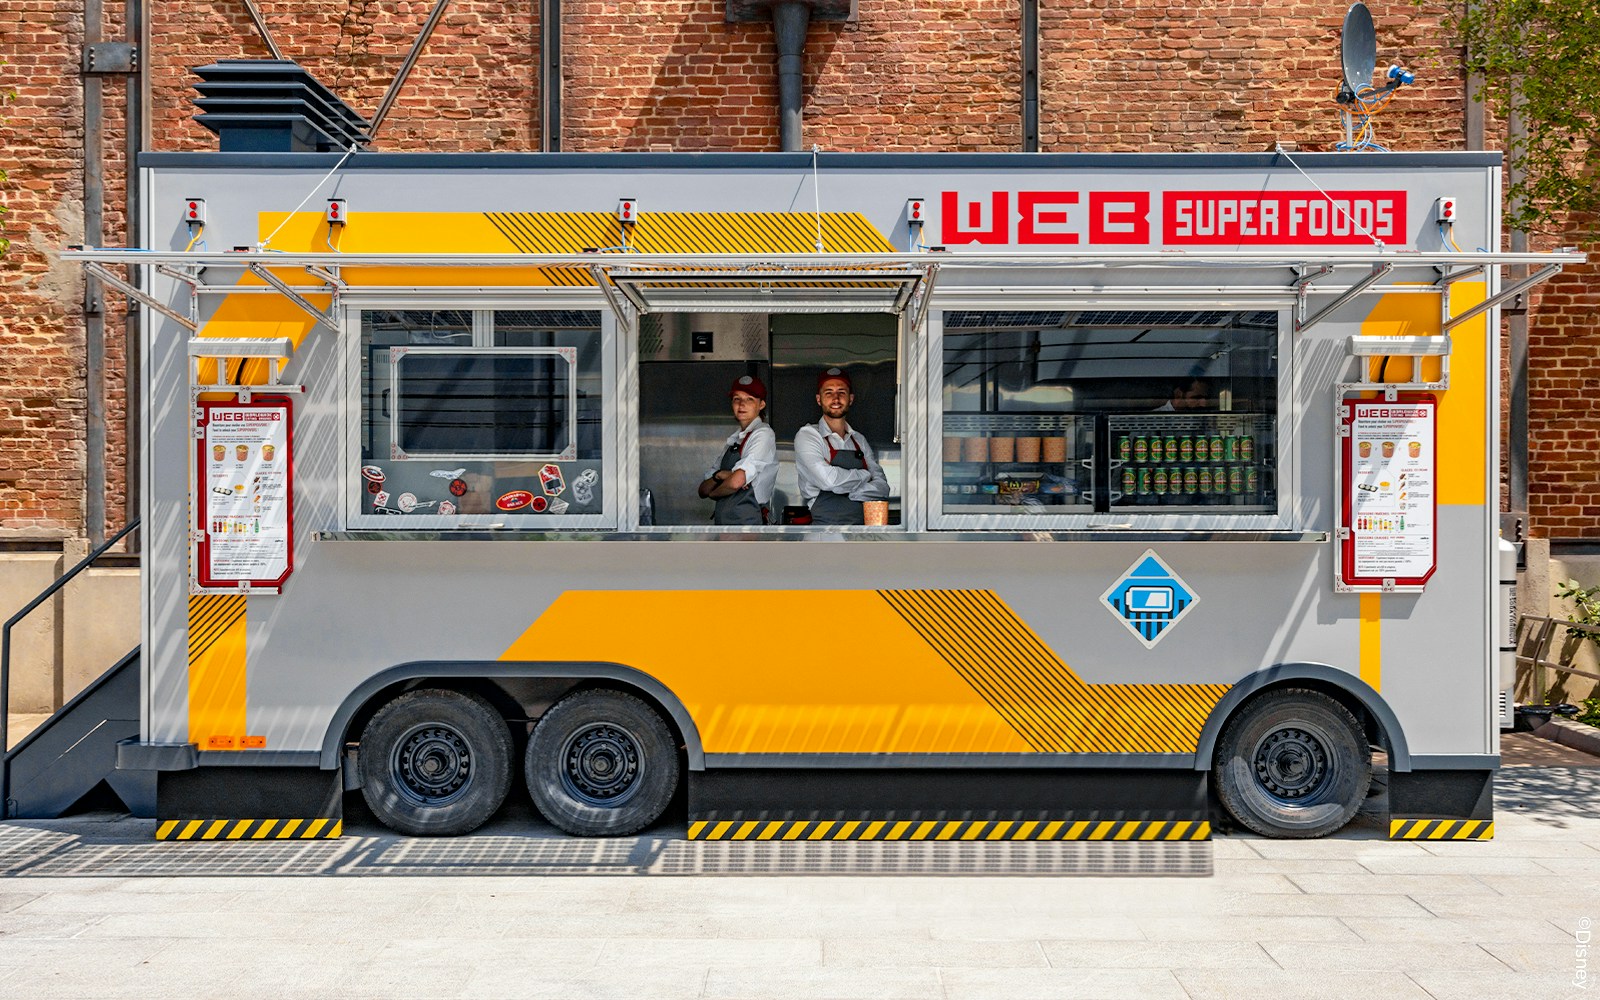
1352,916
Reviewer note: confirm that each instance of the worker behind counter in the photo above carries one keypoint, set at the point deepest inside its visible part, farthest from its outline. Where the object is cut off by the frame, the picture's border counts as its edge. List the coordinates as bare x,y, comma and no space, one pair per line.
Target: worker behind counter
1188,395
836,467
742,482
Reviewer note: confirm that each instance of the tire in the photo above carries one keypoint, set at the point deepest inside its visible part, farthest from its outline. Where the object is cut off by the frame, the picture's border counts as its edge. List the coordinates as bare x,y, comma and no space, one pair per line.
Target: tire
1293,764
601,764
435,763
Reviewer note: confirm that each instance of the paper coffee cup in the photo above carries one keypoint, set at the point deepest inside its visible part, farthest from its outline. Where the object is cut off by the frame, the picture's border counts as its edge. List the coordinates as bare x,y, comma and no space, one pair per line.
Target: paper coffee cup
875,512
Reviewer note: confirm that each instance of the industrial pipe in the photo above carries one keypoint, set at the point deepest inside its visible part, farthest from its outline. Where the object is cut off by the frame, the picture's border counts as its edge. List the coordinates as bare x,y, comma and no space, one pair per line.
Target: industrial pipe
789,23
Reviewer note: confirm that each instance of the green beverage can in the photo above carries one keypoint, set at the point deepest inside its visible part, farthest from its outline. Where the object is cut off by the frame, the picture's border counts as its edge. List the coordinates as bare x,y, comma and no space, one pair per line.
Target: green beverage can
1186,449
1252,481
1191,480
1231,449
1216,448
1161,480
1235,480
1204,476
1127,481
1171,449
1144,480
1247,448
1124,446
1219,479
1141,450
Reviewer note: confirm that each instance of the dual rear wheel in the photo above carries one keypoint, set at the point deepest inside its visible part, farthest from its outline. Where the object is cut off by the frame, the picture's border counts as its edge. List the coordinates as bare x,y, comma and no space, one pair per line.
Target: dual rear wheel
438,763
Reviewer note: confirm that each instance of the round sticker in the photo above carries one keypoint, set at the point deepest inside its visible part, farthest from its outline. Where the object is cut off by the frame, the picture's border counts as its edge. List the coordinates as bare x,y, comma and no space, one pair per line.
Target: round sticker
458,487
515,500
374,486
446,507
406,502
539,504
372,474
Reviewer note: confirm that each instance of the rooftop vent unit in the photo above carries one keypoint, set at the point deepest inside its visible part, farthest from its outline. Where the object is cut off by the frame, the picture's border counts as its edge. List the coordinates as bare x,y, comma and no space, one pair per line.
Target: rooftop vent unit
274,106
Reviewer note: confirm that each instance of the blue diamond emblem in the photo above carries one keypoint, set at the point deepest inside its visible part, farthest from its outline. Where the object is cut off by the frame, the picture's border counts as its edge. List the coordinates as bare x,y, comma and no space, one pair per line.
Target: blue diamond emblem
1150,598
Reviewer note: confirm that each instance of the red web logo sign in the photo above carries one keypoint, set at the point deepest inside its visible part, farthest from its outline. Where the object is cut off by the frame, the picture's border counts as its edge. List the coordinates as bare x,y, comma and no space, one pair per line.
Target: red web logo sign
1187,218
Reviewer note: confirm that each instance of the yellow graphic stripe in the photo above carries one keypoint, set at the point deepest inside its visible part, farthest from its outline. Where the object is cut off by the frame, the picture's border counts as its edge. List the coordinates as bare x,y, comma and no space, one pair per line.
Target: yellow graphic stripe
1441,829
1371,651
217,690
1462,467
950,830
1012,669
322,828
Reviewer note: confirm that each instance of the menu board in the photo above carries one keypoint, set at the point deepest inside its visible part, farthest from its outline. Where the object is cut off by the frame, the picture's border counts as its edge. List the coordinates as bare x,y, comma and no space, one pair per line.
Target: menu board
1389,507
244,496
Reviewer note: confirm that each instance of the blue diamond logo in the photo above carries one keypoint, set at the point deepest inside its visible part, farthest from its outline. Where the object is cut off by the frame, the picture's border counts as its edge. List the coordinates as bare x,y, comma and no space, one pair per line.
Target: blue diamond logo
1150,598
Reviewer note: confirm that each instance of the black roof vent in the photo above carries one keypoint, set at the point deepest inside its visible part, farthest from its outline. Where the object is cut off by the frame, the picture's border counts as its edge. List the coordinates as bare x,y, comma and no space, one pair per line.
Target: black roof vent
274,106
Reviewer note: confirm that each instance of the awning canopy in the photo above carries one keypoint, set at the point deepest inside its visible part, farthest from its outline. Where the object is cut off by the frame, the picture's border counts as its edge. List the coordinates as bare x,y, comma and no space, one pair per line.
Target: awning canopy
827,283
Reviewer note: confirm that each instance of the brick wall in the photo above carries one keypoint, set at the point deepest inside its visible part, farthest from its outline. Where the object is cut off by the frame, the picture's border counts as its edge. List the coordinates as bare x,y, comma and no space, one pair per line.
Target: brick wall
1116,75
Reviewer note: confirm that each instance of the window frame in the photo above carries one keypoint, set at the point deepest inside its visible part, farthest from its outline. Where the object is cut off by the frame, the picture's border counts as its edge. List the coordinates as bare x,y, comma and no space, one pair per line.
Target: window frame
1291,511
397,355
613,464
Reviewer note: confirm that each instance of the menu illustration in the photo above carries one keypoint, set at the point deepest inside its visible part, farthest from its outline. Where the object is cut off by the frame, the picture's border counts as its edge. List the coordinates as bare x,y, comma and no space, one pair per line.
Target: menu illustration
244,493
1390,480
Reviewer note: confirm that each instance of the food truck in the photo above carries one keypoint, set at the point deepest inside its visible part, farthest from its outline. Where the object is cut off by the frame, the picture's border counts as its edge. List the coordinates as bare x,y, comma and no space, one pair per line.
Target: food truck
1192,492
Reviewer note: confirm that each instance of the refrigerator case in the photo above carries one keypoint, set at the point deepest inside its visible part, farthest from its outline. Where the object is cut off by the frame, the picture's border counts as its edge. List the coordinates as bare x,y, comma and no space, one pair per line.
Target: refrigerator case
1191,462
995,463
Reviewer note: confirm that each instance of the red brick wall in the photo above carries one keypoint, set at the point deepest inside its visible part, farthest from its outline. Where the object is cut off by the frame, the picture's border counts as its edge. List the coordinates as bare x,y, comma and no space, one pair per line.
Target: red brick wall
1116,75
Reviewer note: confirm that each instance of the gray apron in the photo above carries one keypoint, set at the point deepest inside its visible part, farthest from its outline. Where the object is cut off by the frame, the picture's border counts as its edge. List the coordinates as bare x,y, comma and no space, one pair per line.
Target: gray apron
740,507
837,508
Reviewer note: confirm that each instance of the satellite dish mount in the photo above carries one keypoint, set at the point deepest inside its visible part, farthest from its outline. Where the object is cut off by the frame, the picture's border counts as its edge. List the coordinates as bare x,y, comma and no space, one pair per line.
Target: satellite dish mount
1358,57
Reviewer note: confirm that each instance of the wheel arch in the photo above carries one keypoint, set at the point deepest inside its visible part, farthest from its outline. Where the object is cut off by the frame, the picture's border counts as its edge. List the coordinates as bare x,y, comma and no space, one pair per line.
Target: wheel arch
463,675
1356,694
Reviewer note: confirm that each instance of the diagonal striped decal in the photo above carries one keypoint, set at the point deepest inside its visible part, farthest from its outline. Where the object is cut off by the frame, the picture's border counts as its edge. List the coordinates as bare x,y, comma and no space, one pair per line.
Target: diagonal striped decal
1048,704
210,615
986,830
325,828
1441,829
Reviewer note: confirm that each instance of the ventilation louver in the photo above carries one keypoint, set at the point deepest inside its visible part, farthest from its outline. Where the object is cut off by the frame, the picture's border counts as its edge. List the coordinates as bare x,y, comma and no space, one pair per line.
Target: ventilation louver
273,105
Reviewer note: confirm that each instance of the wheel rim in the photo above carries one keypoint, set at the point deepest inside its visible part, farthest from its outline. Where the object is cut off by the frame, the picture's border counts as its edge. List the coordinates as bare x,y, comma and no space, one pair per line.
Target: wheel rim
1293,765
601,764
432,764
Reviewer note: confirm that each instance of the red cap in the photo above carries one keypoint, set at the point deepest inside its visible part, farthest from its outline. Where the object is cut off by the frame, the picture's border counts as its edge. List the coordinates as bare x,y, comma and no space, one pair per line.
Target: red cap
750,386
835,375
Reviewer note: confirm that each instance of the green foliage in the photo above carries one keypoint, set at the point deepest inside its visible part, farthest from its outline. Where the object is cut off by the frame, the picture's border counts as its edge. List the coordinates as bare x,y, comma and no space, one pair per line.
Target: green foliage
1550,51
1585,607
1591,712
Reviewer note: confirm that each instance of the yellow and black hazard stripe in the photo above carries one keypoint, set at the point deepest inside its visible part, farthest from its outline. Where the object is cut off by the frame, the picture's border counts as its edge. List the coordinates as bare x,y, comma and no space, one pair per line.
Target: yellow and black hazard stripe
1441,829
249,829
932,829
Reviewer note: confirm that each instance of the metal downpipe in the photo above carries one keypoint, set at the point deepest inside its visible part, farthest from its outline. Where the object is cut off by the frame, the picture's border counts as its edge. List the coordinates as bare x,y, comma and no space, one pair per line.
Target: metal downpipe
790,20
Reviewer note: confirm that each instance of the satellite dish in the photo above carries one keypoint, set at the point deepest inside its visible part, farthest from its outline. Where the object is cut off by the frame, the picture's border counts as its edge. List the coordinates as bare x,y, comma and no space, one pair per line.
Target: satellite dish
1358,48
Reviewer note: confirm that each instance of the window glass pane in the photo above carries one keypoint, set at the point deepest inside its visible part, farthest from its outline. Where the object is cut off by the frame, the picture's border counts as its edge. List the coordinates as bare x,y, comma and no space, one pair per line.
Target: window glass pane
1082,411
453,427
482,403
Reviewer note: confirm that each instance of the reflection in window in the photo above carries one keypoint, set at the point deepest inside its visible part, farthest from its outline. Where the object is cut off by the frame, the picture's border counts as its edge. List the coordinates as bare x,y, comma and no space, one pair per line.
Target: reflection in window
481,412
1100,410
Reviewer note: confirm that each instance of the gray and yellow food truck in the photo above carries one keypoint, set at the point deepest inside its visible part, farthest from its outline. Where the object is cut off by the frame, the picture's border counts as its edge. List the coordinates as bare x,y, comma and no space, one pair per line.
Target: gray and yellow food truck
1191,468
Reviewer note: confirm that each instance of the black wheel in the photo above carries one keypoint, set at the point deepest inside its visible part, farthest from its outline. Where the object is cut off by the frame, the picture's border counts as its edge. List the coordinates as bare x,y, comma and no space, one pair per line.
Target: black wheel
1293,764
435,763
601,764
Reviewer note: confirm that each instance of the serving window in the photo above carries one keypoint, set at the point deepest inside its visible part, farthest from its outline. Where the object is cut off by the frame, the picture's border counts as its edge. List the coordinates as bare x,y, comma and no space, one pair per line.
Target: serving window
1050,414
472,417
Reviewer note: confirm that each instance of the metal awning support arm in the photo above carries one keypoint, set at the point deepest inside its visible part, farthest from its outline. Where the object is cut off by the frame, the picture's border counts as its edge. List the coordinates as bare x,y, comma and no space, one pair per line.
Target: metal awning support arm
329,276
1510,291
923,295
140,296
1377,272
619,305
293,296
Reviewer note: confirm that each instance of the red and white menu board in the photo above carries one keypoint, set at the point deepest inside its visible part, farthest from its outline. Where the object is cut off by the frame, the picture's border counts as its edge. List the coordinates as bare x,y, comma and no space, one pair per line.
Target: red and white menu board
1390,503
244,497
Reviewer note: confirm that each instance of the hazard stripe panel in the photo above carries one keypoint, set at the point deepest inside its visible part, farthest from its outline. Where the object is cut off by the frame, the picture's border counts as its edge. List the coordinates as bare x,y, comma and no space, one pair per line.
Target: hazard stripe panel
250,829
933,829
1441,829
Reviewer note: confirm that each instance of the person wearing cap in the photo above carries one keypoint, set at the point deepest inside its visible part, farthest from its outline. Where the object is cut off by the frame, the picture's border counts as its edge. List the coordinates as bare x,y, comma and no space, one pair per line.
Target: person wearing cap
836,467
742,482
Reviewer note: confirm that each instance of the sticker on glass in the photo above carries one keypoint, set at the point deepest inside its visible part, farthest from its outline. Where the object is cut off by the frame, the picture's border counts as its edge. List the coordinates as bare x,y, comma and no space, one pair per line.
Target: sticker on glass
1149,598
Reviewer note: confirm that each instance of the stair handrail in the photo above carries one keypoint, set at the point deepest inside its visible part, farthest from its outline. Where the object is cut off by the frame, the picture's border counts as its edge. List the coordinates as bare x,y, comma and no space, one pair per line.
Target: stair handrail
5,647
